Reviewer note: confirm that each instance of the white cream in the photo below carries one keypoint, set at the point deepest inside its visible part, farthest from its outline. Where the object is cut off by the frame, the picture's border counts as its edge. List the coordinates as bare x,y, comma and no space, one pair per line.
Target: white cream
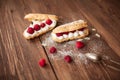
70,35
41,30
61,37
53,23
26,33
45,28
36,22
76,34
54,35
65,35
81,32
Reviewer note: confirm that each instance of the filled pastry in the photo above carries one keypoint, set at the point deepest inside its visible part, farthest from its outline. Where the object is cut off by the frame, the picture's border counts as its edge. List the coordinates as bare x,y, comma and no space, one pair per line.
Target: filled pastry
70,31
40,24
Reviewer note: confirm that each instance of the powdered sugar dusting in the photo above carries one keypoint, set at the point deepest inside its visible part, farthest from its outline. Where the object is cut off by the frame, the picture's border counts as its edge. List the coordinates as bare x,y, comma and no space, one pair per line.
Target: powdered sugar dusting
68,48
48,41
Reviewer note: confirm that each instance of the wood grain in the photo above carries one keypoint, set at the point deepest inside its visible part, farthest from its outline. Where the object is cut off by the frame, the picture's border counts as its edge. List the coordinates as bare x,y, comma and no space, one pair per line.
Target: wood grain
19,57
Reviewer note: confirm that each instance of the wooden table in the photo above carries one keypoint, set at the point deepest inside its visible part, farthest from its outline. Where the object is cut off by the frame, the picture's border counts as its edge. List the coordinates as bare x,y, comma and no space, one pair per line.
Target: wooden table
19,57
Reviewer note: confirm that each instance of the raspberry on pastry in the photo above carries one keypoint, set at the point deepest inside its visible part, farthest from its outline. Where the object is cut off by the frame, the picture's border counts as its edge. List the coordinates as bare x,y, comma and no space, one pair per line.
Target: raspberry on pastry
70,31
41,23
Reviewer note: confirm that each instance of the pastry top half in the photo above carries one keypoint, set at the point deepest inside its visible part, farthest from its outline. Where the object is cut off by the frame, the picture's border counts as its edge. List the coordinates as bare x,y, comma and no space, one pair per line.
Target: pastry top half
40,24
40,17
70,31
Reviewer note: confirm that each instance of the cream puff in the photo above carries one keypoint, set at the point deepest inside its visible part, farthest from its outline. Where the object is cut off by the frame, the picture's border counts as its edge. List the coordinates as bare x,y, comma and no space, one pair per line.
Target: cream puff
70,31
40,24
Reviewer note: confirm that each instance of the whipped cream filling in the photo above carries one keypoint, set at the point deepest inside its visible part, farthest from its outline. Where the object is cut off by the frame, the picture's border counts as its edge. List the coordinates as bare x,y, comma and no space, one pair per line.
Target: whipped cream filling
53,24
70,35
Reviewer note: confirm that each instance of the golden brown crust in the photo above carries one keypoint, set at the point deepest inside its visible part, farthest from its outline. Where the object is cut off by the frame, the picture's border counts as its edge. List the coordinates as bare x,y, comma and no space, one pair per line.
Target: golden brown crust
86,32
40,17
70,26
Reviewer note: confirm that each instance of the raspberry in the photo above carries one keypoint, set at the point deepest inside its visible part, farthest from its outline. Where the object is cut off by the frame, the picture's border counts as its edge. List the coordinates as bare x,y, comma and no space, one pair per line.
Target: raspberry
36,27
79,44
68,58
42,25
30,30
59,34
42,62
52,50
81,29
66,33
48,21
72,31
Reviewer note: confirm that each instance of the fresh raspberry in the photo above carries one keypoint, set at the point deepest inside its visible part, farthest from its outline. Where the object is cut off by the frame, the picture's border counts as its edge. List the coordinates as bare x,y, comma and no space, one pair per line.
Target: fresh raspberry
52,50
48,21
79,44
66,33
42,25
36,27
72,31
59,34
81,29
30,30
68,58
42,62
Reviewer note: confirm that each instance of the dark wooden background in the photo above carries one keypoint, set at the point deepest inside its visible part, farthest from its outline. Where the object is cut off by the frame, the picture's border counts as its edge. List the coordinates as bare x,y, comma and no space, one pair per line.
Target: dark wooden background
19,57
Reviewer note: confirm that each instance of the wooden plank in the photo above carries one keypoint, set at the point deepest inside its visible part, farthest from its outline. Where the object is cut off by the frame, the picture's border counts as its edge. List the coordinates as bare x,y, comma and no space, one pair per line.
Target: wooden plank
19,57
78,69
105,17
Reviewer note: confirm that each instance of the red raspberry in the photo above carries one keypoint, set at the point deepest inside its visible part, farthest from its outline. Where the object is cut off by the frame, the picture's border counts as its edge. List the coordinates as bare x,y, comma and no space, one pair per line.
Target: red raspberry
42,62
66,33
36,27
59,34
81,29
68,58
42,25
48,21
52,50
30,30
72,31
79,44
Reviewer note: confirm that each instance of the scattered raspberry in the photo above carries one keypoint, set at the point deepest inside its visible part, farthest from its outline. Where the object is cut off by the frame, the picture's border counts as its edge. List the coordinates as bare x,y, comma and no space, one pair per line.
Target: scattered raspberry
42,62
59,34
79,44
42,25
52,50
30,30
48,21
36,27
68,58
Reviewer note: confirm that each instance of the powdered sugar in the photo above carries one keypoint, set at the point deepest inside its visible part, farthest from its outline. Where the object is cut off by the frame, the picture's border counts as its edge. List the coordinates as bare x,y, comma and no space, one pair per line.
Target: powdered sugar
68,48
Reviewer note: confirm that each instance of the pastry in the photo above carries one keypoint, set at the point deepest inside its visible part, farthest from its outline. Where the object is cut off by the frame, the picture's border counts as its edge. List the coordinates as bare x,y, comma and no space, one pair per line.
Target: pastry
40,24
70,31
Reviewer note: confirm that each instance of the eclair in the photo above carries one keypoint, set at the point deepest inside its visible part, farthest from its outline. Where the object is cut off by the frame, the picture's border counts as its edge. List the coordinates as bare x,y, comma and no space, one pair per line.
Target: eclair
70,31
40,24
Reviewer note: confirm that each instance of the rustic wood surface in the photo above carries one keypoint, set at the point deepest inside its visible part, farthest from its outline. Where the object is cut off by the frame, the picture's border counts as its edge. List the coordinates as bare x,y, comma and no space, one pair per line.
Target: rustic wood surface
19,57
